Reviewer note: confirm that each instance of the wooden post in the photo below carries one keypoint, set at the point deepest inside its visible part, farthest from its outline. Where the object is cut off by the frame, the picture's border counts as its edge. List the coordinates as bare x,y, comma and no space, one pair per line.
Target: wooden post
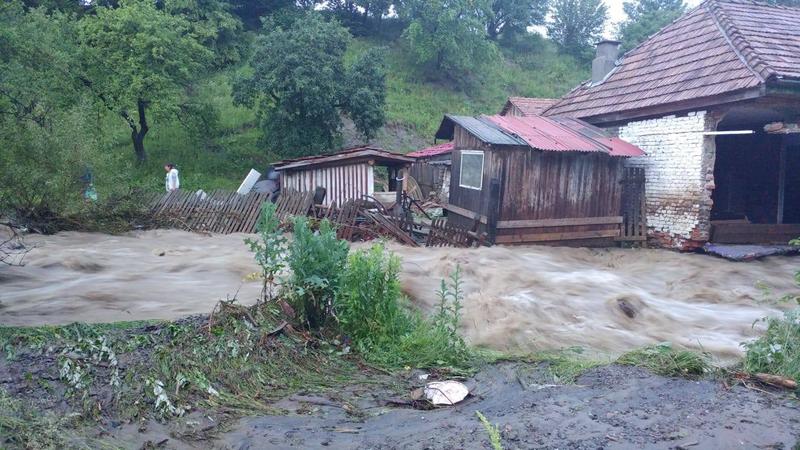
781,180
493,214
319,195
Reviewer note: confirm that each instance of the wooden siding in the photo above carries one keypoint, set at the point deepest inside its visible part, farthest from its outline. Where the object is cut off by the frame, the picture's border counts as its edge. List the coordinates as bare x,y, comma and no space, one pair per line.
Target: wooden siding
557,185
428,176
342,183
469,199
577,194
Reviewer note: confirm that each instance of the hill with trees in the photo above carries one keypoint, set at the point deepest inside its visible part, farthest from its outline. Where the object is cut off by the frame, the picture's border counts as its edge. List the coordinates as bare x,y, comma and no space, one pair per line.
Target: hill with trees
105,92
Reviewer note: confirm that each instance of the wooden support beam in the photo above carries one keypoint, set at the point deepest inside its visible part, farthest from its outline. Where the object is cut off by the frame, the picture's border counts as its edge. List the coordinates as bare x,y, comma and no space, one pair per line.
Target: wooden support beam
467,213
494,210
544,223
782,180
556,237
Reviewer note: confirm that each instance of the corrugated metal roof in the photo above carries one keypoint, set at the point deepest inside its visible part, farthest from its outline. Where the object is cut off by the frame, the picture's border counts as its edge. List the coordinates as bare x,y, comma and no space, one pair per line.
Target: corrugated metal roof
440,149
482,129
540,133
617,146
719,47
544,134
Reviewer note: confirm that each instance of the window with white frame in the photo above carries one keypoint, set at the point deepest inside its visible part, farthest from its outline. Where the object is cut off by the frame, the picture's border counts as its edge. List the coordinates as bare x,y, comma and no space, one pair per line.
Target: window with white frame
471,173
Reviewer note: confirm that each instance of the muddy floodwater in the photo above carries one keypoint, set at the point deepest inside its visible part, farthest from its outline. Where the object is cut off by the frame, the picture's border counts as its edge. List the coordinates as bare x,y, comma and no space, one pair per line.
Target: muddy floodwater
515,298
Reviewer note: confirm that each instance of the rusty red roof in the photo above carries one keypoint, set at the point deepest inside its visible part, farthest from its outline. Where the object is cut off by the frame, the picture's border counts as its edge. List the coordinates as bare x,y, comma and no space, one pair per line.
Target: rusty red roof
436,150
527,106
719,47
540,133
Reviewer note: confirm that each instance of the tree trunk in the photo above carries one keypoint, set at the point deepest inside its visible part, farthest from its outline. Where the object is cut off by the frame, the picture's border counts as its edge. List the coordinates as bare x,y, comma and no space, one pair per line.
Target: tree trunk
138,132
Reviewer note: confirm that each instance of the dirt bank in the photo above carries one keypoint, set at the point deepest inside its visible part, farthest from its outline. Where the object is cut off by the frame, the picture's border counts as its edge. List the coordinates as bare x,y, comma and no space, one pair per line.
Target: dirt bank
519,299
611,407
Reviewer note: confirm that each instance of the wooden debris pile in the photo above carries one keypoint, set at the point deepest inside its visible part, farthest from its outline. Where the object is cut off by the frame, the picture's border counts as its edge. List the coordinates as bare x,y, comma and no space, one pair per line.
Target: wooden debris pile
356,220
367,219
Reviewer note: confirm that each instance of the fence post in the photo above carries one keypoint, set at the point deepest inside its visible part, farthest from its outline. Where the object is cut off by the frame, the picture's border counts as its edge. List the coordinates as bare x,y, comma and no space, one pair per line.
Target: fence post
493,214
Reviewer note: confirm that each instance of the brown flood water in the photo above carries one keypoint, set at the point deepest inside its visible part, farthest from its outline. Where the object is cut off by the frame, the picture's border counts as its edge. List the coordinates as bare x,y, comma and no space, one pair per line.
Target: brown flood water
516,298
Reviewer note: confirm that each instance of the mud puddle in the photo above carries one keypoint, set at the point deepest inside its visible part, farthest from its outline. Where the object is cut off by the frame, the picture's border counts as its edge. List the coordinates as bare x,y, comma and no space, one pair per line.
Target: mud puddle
612,407
515,298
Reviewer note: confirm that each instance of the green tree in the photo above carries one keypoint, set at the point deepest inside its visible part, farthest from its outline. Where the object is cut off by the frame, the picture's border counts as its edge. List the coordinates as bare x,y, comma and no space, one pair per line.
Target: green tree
360,16
37,62
302,86
576,24
645,18
514,16
252,11
213,25
448,37
139,62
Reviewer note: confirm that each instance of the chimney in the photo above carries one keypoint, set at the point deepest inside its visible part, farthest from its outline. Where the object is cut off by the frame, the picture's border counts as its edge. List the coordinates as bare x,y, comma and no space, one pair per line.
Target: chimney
604,61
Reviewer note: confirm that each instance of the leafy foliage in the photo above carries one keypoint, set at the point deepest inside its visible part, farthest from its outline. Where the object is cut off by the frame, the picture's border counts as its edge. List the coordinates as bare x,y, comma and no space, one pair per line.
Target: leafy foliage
269,250
213,25
368,302
372,311
316,260
645,18
447,38
139,60
514,16
576,24
302,87
778,350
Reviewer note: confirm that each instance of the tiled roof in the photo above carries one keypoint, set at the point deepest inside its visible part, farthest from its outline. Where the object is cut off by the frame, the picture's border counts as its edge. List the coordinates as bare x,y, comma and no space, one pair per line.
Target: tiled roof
528,106
440,149
722,46
558,134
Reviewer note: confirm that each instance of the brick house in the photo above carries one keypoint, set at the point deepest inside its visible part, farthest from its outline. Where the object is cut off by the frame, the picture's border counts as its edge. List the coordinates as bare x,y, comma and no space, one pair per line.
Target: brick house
714,101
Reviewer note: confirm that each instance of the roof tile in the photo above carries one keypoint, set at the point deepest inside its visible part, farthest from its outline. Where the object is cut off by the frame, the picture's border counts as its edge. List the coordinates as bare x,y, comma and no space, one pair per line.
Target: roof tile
721,46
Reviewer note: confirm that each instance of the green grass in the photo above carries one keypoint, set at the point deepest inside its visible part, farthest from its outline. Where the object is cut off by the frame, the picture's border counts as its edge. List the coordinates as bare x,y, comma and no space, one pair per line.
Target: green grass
663,359
417,104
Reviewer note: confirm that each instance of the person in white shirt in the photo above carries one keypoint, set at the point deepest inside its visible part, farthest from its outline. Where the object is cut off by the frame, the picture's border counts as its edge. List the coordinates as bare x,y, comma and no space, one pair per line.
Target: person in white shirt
172,181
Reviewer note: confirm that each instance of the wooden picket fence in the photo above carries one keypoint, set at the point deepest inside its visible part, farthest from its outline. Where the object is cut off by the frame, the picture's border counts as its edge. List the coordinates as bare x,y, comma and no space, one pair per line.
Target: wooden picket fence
220,211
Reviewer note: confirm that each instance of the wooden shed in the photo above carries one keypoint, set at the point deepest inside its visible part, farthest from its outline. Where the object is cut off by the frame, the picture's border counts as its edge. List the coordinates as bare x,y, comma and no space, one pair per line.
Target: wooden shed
346,175
536,179
431,170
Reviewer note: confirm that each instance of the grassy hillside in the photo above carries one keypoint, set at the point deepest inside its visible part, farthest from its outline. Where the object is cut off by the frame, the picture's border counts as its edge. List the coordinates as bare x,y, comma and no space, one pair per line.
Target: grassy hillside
415,106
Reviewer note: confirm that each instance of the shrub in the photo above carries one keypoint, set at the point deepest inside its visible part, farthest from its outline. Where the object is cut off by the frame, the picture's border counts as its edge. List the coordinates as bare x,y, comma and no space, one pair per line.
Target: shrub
316,260
373,312
778,350
368,301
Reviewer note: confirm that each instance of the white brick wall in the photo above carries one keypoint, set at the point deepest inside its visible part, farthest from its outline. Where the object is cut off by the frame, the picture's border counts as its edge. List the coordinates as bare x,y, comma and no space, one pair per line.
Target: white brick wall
677,167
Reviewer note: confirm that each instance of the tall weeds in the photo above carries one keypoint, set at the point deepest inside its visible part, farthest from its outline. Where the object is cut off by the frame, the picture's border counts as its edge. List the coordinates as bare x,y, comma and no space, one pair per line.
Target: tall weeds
269,249
316,260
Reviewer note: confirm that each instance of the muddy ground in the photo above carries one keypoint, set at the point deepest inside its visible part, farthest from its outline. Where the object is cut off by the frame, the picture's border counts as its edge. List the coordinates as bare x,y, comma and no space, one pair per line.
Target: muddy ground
612,407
